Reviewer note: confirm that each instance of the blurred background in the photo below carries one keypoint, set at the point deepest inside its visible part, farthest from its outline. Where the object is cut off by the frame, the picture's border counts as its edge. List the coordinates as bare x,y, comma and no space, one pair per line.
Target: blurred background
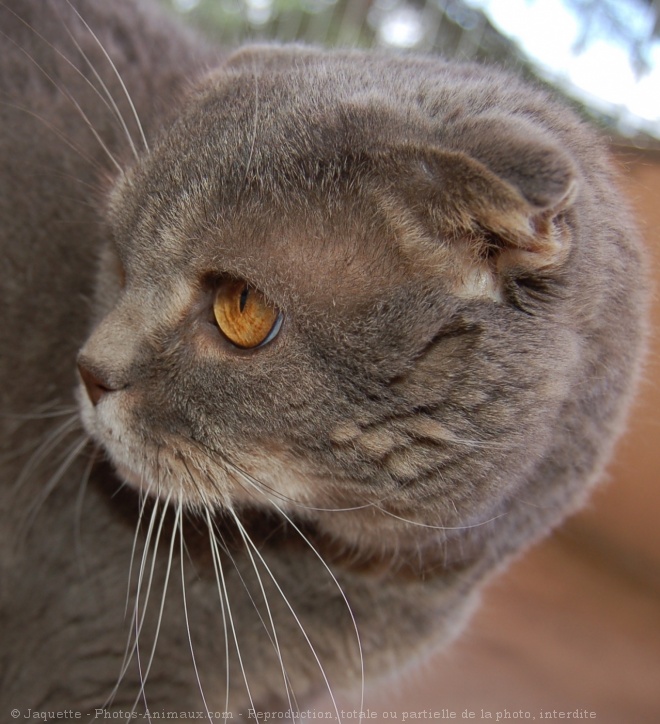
574,627
603,53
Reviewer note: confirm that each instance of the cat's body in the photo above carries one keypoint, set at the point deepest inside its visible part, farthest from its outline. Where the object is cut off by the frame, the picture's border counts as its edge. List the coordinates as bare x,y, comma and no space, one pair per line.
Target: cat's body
460,297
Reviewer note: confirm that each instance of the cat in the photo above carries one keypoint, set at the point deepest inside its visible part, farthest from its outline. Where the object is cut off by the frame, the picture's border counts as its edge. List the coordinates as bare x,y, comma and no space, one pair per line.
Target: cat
299,349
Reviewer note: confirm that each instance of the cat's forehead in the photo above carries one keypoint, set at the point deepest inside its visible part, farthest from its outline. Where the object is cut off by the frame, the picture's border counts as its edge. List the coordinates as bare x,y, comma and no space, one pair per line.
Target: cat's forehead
302,167
265,200
293,121
320,252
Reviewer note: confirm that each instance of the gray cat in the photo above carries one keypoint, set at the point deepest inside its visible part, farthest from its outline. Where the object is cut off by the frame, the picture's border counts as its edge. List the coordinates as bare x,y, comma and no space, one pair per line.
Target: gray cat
298,349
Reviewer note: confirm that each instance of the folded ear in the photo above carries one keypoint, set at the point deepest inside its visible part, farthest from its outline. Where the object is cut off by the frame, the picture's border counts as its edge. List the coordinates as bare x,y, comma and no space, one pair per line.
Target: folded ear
501,185
521,153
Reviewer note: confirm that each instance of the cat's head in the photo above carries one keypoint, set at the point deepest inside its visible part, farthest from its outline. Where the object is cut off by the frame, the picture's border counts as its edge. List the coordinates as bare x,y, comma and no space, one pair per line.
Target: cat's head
336,282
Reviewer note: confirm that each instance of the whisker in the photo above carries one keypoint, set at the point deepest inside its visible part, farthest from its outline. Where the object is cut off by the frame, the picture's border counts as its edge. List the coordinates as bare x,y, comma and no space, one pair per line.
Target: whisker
226,632
255,124
142,693
79,509
439,527
71,99
295,616
224,596
287,499
32,447
198,488
254,604
69,410
52,127
108,100
376,504
49,443
178,526
31,514
248,592
135,616
110,103
143,505
129,651
139,625
343,595
117,75
275,640
229,466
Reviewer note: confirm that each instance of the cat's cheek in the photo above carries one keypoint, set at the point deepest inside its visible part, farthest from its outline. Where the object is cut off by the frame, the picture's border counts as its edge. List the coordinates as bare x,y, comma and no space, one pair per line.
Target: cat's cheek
278,479
170,467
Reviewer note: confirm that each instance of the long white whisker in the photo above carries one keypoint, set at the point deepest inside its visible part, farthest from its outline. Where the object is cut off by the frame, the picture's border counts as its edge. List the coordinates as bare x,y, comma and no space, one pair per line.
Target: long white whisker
373,504
72,100
224,624
131,645
142,693
117,75
79,508
249,595
224,596
108,100
138,526
74,451
143,504
51,126
343,595
39,415
286,499
138,619
178,526
296,618
276,642
51,441
439,527
261,486
255,123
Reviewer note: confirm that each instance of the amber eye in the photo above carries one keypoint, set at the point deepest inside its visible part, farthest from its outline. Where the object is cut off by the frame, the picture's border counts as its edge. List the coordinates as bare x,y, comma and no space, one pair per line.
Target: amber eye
244,316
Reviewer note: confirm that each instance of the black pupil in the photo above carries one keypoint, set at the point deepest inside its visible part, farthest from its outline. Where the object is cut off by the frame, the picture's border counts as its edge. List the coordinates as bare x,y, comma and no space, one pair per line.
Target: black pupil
244,296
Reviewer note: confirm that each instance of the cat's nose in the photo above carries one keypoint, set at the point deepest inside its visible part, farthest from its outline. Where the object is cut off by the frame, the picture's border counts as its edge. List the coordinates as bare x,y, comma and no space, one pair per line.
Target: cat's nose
95,385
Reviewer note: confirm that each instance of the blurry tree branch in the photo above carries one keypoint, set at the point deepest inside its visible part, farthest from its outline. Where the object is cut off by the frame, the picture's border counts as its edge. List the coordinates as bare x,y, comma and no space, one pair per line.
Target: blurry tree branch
634,23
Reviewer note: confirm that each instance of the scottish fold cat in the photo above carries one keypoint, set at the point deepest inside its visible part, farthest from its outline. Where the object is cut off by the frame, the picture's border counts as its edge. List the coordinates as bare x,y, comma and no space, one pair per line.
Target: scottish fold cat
299,348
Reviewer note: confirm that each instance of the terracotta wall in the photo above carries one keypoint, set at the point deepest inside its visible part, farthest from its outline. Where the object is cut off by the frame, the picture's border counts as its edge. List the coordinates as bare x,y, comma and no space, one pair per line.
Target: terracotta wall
624,516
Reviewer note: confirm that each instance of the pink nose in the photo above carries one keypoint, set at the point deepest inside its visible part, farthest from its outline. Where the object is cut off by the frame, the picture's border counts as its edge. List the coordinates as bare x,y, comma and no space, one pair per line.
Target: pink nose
95,386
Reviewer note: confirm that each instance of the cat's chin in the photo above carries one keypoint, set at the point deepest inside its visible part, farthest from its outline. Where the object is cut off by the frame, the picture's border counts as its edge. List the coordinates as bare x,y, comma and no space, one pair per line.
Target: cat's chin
173,477
139,482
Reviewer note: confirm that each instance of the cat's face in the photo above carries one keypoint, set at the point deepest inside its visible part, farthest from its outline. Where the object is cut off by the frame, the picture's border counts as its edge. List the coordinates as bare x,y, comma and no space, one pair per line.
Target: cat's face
314,300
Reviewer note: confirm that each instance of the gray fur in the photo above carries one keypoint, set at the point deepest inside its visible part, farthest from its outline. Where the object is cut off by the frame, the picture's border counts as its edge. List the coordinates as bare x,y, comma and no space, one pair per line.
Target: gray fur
463,296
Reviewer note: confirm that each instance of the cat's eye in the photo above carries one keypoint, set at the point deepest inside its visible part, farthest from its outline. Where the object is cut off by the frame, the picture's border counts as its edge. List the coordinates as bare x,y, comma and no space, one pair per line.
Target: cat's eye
244,315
